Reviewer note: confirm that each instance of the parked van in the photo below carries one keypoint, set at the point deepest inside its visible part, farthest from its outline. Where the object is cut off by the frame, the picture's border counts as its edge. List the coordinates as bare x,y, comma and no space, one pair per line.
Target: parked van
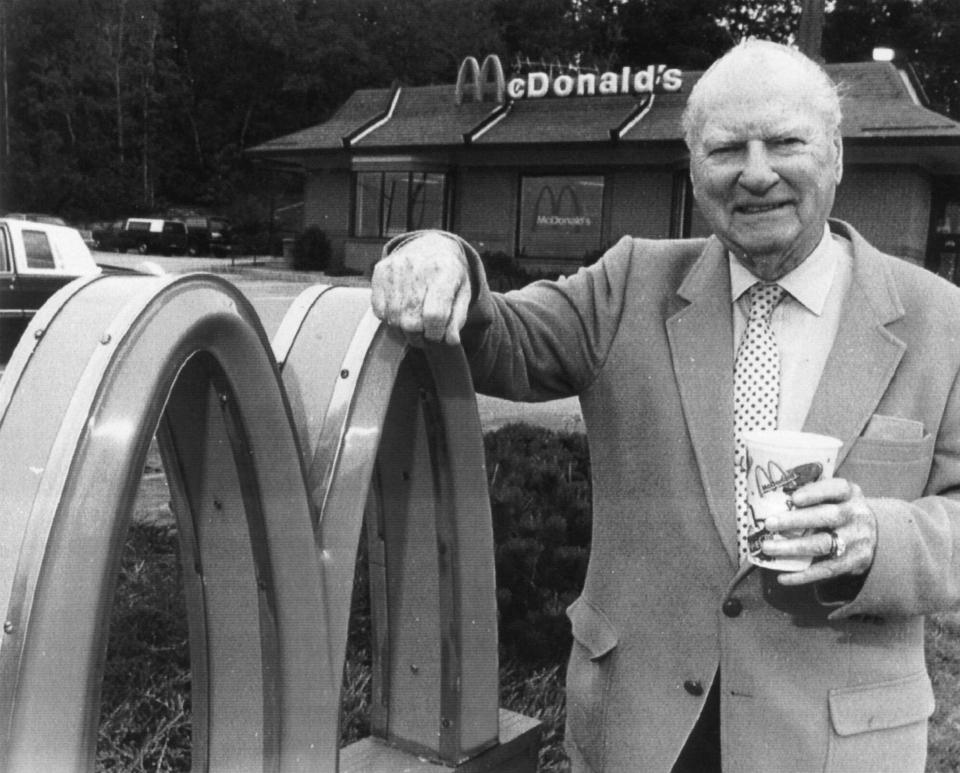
152,235
209,236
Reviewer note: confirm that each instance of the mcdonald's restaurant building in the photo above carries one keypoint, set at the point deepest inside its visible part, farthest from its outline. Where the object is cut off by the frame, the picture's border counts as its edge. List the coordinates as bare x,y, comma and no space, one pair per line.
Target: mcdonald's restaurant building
554,164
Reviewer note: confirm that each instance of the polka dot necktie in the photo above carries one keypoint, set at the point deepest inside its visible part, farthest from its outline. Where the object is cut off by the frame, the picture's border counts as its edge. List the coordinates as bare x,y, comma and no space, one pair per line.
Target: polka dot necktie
756,392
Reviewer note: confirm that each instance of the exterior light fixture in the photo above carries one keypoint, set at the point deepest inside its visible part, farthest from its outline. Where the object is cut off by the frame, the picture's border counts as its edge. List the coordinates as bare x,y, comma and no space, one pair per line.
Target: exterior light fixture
884,54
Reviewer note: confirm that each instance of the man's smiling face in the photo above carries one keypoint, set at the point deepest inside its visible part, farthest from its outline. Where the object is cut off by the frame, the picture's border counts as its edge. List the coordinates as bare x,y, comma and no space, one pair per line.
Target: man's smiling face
765,163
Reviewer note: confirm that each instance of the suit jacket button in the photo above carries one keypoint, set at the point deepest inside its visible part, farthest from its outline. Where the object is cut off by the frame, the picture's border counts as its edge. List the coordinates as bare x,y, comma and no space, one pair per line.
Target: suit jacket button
693,687
732,607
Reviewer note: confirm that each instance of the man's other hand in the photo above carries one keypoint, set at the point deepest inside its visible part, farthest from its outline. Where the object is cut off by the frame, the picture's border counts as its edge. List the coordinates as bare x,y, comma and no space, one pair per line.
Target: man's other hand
423,288
832,505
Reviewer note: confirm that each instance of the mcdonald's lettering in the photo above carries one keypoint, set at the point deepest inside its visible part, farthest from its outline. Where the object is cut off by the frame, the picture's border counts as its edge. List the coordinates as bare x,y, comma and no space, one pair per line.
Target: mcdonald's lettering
652,79
557,220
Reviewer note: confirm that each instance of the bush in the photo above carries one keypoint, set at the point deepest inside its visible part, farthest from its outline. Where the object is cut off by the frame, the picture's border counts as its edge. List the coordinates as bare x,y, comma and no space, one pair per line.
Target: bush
540,500
311,250
504,272
592,256
145,715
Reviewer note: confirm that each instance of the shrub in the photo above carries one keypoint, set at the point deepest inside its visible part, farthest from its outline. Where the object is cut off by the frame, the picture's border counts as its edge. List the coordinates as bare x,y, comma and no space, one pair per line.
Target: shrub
311,250
540,501
145,700
592,256
504,272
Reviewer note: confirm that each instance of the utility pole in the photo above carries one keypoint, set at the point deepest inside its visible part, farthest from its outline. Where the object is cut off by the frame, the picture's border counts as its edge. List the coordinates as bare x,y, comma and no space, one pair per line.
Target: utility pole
810,37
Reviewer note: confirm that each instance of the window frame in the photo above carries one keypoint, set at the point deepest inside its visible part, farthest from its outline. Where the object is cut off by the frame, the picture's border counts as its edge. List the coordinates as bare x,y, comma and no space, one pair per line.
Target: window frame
413,177
6,252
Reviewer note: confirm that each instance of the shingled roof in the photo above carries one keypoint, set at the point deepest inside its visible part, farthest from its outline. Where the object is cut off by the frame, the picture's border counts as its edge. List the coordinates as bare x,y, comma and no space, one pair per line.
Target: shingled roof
879,102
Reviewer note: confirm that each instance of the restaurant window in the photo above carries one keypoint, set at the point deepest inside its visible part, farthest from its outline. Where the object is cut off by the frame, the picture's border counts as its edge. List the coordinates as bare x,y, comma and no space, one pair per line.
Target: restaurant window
391,203
682,208
560,216
943,249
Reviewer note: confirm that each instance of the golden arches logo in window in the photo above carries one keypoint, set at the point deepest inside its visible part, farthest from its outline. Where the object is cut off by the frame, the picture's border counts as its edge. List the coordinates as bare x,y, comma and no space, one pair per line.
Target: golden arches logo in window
559,209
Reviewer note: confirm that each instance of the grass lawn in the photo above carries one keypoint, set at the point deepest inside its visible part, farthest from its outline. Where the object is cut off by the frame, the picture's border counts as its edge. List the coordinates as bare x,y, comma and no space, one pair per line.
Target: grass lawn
145,710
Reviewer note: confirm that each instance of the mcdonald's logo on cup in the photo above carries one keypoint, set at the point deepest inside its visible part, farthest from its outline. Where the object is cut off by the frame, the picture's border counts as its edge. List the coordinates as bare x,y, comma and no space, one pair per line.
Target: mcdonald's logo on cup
778,463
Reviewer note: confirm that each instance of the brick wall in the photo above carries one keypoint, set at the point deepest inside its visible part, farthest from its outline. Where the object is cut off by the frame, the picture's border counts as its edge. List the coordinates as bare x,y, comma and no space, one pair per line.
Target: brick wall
890,206
639,204
327,199
485,210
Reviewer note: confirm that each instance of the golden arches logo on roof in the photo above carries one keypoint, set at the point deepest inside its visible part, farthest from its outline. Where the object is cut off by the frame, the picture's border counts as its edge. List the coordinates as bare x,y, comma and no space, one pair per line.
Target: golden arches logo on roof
481,83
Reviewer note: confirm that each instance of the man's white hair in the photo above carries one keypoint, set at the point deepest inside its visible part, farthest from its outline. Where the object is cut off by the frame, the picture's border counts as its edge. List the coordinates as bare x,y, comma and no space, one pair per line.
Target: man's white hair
753,56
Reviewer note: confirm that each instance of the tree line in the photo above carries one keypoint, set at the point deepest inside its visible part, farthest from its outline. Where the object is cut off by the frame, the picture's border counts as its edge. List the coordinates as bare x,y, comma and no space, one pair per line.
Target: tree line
116,107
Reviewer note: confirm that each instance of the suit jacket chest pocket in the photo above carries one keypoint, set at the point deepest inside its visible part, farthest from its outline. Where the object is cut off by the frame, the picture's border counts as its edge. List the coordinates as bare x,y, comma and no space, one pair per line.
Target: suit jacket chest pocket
889,468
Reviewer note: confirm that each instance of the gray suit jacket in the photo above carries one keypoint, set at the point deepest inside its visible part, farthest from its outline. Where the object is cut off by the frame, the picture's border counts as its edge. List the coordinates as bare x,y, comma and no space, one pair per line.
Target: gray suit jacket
644,337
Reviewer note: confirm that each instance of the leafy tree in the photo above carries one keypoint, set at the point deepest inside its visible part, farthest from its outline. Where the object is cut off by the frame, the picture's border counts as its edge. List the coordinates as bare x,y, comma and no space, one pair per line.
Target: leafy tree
772,20
926,32
126,106
688,33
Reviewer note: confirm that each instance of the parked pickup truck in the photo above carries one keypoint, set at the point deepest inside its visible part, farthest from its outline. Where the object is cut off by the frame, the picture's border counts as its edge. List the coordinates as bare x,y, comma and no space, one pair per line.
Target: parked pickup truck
152,235
36,260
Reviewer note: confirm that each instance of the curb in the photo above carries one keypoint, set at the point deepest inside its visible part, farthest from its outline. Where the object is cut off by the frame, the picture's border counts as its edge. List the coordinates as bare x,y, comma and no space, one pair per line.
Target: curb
280,274
249,267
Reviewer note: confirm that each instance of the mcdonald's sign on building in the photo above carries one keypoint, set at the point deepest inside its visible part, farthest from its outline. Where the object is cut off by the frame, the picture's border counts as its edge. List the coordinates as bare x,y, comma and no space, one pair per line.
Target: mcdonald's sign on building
552,162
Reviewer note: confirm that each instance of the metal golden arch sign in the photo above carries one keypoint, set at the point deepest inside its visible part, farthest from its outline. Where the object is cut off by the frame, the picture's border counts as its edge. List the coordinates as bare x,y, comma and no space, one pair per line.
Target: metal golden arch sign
274,456
480,83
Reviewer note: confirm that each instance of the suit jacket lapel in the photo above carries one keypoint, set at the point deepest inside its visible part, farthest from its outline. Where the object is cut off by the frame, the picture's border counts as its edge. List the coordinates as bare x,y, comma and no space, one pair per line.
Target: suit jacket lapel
700,334
865,353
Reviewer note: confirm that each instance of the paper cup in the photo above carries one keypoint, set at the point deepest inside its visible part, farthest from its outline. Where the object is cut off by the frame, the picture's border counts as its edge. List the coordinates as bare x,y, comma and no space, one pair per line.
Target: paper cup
778,463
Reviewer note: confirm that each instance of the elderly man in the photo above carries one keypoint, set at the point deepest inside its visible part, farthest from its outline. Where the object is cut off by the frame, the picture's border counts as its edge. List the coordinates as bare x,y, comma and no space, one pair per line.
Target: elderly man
683,658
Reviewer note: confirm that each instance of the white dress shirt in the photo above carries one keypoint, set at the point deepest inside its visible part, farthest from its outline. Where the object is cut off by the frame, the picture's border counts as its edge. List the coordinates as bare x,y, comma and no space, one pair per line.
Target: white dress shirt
804,323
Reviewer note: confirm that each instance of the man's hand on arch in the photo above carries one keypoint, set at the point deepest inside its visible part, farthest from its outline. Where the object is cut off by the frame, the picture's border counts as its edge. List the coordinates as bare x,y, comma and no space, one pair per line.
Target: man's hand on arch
423,288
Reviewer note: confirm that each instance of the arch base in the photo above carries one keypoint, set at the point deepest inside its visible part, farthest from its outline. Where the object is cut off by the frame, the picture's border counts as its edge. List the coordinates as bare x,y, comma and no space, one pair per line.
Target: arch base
517,752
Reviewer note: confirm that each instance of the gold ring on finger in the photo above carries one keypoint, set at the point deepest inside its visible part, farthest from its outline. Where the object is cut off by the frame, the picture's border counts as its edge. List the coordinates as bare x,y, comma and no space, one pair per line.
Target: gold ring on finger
837,546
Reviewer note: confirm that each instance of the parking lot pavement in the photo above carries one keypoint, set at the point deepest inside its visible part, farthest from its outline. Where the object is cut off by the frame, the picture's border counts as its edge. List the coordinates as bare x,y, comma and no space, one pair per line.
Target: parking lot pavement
559,415
254,267
186,264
